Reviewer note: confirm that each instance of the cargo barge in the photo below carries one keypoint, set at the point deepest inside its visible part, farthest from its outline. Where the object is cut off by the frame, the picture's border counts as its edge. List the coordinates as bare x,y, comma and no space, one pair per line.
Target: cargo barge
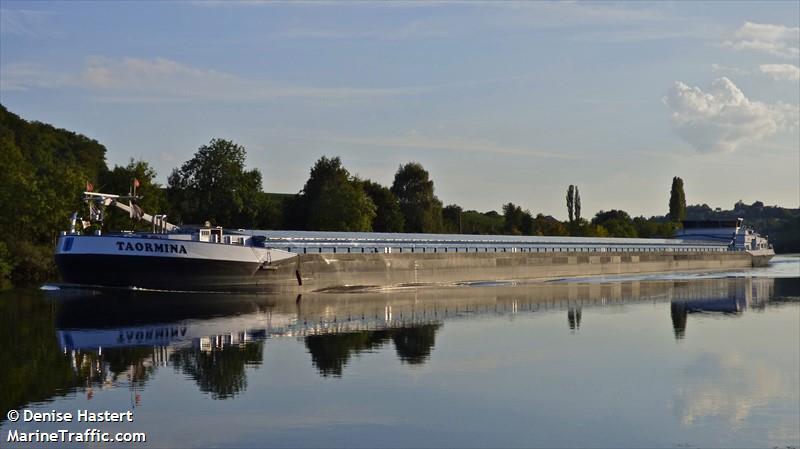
209,258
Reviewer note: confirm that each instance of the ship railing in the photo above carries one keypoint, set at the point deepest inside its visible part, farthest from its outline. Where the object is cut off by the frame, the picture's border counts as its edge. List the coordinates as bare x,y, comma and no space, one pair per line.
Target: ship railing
443,248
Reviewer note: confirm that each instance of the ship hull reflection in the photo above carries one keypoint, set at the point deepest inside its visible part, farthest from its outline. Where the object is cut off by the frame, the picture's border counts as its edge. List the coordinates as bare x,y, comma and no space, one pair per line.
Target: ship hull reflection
157,319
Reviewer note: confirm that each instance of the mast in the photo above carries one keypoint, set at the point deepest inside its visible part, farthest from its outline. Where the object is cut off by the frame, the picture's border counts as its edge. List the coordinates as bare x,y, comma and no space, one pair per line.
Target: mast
159,222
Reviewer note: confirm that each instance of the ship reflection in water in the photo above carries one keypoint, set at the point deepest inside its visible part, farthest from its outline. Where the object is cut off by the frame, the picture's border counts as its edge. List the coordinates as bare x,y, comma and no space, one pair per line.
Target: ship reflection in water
77,345
728,298
205,336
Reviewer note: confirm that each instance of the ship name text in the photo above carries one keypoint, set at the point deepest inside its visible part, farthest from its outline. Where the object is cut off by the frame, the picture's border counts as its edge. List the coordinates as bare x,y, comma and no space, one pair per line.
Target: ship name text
171,248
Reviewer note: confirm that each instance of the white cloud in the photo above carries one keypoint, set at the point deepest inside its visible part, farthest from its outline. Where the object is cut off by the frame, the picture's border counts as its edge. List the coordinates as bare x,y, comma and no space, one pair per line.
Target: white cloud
159,79
776,40
734,70
729,387
781,72
723,118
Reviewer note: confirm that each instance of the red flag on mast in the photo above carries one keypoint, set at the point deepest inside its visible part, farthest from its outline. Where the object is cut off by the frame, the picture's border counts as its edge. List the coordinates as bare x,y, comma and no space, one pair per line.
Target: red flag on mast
89,186
135,182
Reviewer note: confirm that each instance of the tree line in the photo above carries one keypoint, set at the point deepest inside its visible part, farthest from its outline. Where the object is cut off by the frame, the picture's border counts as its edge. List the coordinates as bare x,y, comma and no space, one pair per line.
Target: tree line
45,169
215,186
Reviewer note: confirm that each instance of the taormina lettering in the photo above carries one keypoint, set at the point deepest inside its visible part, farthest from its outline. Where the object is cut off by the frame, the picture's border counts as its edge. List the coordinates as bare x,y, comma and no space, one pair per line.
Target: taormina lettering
151,247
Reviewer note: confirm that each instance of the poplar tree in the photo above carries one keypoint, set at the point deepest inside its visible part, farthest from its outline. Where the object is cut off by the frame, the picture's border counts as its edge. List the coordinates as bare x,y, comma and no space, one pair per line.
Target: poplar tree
677,201
571,203
577,204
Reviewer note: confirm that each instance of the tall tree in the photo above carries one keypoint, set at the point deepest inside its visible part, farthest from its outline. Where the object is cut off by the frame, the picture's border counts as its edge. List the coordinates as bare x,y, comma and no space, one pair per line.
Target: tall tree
577,204
413,187
335,201
677,201
571,203
215,186
388,216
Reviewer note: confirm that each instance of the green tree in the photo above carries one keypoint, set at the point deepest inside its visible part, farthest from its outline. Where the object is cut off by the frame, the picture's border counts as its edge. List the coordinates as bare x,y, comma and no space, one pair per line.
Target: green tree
577,204
335,201
388,216
654,227
413,187
272,210
514,220
617,222
215,186
474,222
451,219
44,170
571,203
677,201
528,223
594,230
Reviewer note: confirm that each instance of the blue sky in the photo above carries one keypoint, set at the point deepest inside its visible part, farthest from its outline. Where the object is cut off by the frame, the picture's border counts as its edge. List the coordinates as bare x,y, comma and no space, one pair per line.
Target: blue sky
499,101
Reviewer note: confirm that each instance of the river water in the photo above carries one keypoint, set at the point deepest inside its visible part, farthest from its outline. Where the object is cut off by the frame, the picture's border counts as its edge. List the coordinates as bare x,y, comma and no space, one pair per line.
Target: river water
676,360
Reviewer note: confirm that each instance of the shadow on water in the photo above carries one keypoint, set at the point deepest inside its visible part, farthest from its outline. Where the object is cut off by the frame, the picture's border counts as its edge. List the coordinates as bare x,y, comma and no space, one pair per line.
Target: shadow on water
68,342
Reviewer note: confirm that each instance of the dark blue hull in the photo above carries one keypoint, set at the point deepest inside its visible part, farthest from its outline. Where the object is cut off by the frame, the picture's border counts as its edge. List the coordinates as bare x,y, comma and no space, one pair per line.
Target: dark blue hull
161,273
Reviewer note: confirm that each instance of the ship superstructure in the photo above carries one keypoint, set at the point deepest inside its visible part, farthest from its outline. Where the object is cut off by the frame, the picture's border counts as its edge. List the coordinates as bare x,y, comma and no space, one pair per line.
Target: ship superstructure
733,232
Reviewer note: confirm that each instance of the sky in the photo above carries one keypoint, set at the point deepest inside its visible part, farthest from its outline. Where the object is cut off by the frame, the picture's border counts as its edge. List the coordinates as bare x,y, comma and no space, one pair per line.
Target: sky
499,101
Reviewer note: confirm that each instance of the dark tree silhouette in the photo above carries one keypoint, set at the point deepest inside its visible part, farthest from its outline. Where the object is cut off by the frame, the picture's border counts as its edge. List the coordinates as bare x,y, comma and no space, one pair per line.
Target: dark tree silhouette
571,203
677,201
413,187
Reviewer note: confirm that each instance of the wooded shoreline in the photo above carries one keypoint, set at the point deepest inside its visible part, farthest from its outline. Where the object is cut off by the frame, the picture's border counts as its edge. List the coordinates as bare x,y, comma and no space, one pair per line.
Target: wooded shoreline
45,169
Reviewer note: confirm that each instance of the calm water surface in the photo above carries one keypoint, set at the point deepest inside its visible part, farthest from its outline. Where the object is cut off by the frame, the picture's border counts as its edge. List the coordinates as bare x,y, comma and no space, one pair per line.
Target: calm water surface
671,361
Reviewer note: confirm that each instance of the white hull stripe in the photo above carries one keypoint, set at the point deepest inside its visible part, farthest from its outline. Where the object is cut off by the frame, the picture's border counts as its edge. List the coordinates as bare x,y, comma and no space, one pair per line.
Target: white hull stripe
179,249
